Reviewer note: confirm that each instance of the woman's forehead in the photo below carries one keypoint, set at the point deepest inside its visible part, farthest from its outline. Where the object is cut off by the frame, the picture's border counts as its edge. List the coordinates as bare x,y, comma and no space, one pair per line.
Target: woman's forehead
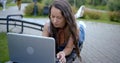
55,11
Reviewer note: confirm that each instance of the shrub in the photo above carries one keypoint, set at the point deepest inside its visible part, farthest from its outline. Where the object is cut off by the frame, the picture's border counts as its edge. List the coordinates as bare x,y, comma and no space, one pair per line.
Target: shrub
29,9
92,14
114,5
74,9
40,8
114,16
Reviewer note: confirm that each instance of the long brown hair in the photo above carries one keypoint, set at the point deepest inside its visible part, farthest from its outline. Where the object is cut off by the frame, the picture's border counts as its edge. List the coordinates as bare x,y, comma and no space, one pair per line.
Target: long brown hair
67,13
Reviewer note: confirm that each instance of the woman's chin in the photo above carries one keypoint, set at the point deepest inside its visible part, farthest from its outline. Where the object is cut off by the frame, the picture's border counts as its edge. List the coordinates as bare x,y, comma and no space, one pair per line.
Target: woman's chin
56,26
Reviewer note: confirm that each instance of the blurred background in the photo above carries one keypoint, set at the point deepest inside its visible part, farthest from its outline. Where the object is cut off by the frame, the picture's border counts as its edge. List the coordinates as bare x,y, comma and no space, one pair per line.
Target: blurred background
100,10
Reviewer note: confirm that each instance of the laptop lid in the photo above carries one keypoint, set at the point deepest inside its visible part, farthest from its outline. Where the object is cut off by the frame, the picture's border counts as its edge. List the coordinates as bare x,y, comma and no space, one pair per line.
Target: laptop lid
25,48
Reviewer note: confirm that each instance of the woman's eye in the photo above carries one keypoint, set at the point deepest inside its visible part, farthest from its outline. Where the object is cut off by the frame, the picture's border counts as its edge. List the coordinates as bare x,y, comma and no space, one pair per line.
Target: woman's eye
52,16
59,17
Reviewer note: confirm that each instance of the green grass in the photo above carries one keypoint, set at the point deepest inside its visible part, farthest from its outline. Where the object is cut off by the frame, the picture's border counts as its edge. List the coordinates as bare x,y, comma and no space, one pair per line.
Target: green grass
11,4
35,16
4,56
0,8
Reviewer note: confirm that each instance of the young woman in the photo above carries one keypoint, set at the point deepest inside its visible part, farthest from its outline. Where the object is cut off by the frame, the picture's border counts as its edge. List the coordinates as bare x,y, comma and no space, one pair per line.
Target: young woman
63,28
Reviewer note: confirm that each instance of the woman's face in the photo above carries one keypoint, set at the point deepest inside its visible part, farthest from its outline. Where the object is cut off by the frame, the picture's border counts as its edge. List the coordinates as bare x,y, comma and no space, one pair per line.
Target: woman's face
57,19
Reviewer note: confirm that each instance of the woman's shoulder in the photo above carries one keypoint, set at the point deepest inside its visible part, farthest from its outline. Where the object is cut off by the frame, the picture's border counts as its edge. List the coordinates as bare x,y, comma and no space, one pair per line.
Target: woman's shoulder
46,29
47,26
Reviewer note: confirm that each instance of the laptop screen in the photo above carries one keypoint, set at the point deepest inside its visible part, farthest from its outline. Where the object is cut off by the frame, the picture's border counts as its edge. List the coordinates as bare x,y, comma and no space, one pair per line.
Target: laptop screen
25,48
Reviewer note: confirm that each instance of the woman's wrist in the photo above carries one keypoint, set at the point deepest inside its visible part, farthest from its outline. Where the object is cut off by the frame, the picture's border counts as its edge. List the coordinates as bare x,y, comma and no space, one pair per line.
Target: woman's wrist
61,56
63,53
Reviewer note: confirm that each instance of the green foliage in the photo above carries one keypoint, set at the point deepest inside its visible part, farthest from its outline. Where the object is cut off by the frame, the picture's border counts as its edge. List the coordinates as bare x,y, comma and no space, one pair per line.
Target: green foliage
26,1
114,5
39,1
0,5
9,1
29,9
99,7
4,56
114,16
74,9
97,2
47,2
77,3
40,9
92,14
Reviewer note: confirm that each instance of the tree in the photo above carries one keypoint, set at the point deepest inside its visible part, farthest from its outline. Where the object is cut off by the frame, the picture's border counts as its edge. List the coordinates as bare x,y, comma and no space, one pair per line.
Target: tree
97,2
80,2
77,3
114,5
39,0
47,2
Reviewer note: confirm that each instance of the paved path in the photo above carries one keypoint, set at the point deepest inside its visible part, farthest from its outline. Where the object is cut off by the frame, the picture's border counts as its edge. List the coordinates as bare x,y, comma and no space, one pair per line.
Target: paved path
102,44
12,10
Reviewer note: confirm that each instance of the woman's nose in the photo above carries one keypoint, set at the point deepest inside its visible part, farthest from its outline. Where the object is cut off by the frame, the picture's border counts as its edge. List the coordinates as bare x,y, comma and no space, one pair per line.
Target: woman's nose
54,20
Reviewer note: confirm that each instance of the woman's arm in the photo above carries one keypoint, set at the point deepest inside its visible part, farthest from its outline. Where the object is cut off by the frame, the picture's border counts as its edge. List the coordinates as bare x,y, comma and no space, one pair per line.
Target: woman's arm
69,47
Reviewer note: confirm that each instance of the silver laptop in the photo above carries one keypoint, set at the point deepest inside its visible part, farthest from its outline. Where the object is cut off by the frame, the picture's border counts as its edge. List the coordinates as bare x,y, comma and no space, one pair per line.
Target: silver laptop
25,48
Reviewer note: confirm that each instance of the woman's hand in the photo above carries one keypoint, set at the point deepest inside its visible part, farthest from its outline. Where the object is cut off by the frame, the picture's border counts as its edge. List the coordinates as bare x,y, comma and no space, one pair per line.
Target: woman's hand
61,57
